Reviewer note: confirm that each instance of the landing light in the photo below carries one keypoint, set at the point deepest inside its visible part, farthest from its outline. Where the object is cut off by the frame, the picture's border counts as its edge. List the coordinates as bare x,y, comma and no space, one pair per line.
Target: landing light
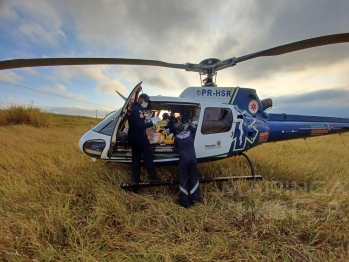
94,148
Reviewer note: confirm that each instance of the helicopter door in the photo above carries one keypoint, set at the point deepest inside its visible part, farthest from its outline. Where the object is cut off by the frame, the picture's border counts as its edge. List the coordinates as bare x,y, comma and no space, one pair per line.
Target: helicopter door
213,137
133,96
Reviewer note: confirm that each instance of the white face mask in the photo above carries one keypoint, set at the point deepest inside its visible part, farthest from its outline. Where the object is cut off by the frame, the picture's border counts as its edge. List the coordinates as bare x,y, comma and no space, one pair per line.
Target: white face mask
144,105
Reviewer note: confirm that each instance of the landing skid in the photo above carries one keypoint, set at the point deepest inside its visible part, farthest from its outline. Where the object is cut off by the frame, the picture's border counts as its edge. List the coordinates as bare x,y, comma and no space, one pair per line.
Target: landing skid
201,180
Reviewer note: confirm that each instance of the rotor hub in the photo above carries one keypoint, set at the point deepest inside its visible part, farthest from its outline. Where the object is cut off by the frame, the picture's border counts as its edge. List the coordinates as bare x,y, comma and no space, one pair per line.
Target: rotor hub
209,61
209,70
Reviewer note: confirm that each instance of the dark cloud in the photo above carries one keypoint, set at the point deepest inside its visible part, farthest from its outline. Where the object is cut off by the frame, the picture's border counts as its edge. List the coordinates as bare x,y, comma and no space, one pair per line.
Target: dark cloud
143,28
330,102
183,31
293,21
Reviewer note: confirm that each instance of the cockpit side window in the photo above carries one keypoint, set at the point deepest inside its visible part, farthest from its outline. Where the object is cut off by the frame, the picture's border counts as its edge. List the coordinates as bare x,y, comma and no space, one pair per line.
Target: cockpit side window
216,120
107,125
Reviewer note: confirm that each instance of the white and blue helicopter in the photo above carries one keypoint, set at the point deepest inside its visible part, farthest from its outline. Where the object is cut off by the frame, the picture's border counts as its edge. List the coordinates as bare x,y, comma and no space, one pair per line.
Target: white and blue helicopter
225,121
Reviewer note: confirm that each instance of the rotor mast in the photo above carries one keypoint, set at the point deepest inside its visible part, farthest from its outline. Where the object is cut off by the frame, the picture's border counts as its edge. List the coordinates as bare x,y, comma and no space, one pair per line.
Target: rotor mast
209,68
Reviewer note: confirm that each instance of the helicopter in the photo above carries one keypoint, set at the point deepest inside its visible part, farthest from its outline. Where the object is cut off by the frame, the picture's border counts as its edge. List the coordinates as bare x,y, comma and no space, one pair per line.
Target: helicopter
225,121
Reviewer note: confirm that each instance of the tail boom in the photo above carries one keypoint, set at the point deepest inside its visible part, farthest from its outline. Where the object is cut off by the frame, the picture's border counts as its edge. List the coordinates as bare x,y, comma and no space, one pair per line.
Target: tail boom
286,127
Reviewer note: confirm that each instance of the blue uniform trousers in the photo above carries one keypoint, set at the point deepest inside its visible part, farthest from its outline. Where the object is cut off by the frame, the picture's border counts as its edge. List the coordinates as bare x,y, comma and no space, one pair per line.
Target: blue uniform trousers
188,180
141,145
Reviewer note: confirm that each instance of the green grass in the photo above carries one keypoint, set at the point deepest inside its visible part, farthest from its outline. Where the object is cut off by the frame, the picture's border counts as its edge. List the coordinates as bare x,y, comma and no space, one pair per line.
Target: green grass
58,205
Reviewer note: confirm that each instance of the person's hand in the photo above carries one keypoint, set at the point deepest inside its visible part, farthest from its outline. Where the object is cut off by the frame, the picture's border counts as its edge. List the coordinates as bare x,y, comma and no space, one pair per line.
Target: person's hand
155,119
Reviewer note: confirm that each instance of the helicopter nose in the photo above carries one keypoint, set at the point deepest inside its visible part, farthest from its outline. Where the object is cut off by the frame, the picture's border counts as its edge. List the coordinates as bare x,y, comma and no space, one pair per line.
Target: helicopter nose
94,144
88,135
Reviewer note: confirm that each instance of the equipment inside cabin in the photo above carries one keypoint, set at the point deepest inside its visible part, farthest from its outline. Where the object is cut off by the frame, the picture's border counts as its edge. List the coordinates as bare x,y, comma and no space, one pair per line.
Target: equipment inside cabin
161,136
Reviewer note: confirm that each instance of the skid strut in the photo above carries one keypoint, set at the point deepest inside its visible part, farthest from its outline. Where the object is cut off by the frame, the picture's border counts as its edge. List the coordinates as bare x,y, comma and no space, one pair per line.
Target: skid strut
201,180
250,163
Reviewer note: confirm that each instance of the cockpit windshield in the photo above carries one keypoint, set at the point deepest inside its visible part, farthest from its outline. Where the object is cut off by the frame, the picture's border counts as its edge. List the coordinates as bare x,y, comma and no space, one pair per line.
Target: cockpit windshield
107,125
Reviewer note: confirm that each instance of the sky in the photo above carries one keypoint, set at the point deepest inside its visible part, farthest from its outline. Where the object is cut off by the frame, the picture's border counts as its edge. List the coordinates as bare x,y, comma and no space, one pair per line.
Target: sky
312,82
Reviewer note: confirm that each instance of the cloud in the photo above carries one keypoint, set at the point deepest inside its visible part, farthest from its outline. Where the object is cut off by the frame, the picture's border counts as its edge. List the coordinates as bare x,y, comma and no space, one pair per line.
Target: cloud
68,73
35,22
330,102
178,32
290,22
61,90
10,76
39,35
157,80
104,77
135,26
110,87
76,110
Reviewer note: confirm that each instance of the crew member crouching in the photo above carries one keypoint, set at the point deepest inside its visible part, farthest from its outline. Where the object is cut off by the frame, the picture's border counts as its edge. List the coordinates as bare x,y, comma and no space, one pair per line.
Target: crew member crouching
189,193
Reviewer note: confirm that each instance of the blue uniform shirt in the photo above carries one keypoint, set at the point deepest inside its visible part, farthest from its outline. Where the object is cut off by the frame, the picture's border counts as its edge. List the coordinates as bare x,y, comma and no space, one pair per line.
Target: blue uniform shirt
185,143
136,121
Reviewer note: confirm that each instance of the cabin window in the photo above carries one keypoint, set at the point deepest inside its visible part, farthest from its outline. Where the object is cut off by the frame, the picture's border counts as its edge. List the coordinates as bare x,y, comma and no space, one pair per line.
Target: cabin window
216,120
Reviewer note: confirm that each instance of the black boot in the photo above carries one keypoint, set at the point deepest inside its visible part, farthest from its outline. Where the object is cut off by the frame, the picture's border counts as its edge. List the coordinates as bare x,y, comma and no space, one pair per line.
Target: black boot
153,179
135,186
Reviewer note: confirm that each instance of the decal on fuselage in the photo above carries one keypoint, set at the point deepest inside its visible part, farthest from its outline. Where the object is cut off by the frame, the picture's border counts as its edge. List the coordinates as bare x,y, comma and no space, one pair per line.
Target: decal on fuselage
263,136
240,139
320,129
214,146
253,106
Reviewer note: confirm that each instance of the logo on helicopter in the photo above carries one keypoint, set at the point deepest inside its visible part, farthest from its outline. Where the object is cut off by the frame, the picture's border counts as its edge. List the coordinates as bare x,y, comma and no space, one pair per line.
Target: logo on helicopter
253,106
263,137
214,146
320,129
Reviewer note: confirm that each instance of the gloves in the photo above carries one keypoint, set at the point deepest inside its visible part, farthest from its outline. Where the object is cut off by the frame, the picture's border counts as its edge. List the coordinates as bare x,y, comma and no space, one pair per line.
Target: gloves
155,119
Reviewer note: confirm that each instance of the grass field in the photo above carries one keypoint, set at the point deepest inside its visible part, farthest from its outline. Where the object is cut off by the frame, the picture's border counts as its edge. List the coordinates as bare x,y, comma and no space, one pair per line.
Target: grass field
58,205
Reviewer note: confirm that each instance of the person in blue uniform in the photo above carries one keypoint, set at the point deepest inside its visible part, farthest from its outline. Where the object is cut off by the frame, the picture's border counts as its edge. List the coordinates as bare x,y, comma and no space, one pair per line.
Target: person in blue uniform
189,193
139,141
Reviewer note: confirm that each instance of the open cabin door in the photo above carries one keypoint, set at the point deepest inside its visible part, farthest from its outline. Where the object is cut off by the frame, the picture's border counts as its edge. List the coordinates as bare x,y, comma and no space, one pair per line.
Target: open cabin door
121,119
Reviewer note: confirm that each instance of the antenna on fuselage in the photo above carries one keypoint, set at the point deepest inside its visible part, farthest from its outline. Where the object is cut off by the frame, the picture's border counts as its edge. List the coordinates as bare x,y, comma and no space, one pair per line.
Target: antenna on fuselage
121,95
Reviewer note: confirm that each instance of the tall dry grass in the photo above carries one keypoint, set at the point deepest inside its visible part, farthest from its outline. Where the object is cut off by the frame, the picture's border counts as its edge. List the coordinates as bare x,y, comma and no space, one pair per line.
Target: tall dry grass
29,115
58,205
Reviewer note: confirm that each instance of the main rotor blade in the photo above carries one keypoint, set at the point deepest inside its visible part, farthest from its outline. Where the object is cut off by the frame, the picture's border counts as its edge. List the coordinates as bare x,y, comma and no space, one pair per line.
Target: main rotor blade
296,46
20,63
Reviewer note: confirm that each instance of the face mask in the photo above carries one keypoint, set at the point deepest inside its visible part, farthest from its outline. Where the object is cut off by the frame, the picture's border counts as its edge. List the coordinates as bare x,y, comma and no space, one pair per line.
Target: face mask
144,104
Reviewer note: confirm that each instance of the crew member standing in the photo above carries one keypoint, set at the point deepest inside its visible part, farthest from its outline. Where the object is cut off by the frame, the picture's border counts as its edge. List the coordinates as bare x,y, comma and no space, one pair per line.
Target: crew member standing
189,193
139,141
